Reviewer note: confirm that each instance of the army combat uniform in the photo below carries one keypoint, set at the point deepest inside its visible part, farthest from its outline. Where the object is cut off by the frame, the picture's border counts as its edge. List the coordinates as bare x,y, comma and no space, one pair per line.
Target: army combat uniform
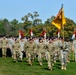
48,55
29,49
4,44
74,47
40,51
64,54
16,50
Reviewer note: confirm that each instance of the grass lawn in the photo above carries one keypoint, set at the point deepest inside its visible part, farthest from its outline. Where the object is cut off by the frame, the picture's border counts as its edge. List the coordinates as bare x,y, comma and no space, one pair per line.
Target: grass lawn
8,67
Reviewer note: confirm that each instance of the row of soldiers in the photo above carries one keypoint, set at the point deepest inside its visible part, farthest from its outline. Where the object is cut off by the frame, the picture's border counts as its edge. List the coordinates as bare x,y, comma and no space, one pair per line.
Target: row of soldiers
49,49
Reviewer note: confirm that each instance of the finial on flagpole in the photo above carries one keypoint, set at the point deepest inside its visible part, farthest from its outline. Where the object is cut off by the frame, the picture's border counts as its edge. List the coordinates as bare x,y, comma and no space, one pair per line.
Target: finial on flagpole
61,5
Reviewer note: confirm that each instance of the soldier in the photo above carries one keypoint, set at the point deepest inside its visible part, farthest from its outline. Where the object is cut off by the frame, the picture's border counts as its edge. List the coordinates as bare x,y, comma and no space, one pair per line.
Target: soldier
40,51
74,48
69,51
52,51
64,53
29,49
47,48
56,47
4,43
16,50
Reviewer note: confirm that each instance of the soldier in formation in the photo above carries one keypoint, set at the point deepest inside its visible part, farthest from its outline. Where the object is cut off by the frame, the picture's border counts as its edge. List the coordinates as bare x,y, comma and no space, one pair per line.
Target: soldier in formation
16,50
4,45
29,49
74,48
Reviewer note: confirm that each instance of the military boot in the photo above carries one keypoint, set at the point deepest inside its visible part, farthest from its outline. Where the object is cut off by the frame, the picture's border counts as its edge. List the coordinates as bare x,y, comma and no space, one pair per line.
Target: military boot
50,68
40,63
62,67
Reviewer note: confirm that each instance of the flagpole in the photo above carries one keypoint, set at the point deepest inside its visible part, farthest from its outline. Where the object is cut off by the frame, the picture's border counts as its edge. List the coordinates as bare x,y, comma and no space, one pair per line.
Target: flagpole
31,29
62,26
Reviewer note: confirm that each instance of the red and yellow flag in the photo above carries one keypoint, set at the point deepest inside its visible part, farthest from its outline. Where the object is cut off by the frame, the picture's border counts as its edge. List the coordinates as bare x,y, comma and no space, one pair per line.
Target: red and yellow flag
60,20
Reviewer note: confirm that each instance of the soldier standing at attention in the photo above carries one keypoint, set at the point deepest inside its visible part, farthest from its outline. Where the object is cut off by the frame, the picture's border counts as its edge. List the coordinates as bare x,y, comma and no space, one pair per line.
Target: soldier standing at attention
4,43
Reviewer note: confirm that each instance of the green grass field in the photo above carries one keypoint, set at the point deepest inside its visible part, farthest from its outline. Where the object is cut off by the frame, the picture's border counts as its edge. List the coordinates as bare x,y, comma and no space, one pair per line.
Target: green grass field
8,67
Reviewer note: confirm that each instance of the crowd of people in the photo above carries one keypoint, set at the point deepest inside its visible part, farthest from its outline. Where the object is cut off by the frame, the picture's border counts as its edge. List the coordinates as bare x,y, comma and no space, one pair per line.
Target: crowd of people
41,48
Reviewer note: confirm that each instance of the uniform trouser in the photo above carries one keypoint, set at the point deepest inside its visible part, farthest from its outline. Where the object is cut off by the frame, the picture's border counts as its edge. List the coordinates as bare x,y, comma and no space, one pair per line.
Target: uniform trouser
4,50
55,56
49,59
39,57
75,54
21,55
16,54
68,58
30,57
64,58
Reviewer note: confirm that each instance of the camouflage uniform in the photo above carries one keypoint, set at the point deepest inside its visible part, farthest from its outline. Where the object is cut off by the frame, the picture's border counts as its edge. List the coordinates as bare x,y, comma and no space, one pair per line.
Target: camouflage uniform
40,52
4,43
64,53
74,47
48,55
16,50
57,49
51,51
29,49
69,51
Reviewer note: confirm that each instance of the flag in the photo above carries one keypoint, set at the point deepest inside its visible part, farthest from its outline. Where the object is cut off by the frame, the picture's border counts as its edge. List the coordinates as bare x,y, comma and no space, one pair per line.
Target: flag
31,32
58,33
21,34
74,35
43,34
60,20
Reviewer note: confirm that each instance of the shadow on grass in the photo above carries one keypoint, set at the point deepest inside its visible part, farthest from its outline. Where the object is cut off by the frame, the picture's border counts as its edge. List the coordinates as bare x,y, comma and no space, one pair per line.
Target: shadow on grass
72,60
58,65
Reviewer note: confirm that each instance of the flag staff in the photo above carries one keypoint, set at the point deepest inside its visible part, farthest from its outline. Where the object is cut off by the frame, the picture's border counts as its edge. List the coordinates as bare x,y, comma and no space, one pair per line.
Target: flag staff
62,26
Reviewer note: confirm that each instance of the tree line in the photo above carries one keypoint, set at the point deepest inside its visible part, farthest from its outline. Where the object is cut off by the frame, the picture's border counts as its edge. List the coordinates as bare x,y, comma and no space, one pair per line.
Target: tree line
32,20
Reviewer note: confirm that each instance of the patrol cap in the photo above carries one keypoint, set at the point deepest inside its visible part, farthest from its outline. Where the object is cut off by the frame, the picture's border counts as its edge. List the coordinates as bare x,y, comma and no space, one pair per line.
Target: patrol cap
40,39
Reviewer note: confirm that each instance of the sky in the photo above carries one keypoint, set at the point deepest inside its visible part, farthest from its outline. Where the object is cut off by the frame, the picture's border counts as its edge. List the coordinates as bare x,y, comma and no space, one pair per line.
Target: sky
16,9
